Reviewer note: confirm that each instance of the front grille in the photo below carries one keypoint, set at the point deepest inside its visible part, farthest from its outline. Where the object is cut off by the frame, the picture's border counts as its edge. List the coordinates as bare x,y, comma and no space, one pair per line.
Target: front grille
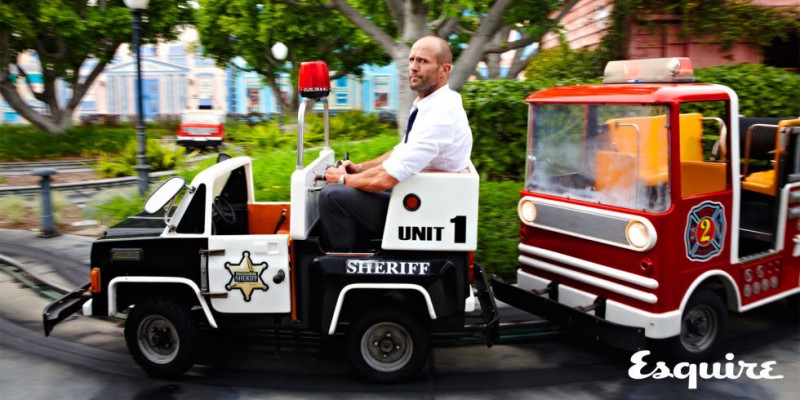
200,131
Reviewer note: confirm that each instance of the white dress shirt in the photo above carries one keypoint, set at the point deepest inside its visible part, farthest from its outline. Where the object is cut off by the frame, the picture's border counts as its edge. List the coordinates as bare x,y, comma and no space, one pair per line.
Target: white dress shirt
440,138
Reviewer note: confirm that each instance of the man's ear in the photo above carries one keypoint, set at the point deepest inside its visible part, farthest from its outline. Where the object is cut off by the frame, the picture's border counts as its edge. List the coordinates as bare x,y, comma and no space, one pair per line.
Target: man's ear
447,67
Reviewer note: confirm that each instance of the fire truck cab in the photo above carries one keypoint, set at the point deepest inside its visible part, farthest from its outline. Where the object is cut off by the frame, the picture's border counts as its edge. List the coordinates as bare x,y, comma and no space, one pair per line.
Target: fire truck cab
651,209
222,260
201,128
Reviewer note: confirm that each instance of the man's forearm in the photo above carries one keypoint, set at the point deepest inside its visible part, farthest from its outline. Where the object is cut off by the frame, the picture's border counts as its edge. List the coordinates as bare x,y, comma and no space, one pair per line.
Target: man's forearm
366,165
372,180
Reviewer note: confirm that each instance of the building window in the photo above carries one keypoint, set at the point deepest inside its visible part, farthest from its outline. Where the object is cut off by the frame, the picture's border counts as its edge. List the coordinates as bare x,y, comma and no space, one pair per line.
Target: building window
342,99
177,55
148,51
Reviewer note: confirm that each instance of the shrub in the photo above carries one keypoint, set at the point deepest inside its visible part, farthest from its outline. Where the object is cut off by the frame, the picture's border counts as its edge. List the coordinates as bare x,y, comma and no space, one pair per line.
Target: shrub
59,202
159,157
14,209
498,228
30,143
498,116
763,91
113,206
563,66
352,125
258,136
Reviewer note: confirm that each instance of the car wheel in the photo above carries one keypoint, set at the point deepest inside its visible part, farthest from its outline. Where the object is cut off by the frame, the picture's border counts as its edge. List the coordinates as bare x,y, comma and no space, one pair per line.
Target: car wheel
388,346
162,337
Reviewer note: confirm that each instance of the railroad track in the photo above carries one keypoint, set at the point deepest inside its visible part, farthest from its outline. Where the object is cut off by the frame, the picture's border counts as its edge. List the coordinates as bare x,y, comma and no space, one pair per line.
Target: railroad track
87,186
73,166
23,168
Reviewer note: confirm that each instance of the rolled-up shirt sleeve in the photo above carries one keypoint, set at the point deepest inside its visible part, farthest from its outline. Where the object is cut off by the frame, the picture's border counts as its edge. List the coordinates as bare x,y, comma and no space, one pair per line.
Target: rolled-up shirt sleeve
426,141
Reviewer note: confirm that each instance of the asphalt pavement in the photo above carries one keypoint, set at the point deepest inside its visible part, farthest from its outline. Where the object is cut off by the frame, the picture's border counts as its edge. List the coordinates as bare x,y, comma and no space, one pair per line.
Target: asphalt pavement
86,358
38,256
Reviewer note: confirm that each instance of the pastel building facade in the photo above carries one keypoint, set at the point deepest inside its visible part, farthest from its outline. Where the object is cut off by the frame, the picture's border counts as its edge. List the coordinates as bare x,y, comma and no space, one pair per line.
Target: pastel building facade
176,77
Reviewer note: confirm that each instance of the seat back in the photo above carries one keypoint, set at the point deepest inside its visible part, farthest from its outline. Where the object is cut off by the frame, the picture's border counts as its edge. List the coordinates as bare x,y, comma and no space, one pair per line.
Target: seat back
434,211
645,138
691,137
305,195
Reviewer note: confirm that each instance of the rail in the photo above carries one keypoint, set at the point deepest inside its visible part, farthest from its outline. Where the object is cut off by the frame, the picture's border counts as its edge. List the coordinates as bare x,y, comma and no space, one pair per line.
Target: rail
82,186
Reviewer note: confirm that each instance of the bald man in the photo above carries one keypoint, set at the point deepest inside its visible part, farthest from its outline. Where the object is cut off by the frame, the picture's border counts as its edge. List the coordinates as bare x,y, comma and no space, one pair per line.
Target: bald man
438,138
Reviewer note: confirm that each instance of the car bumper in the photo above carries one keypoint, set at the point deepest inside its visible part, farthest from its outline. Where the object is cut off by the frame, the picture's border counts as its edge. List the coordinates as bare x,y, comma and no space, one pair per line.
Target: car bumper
64,306
582,322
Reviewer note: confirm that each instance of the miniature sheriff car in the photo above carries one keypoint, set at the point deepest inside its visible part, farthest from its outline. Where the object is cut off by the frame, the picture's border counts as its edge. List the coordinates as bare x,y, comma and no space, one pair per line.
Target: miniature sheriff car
220,259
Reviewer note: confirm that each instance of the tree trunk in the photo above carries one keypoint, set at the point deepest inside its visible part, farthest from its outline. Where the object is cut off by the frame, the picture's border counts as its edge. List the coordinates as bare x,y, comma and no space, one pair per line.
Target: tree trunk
37,119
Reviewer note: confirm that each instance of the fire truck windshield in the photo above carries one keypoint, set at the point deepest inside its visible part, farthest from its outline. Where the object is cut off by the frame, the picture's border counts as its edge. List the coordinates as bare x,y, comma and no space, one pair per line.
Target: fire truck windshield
616,155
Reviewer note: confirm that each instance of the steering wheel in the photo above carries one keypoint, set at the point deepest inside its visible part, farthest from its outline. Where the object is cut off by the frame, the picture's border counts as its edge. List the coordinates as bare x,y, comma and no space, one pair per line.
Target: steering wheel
223,210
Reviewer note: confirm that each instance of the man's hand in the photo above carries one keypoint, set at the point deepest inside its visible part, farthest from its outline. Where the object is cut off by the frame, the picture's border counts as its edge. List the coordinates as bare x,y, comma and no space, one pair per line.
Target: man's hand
350,167
332,174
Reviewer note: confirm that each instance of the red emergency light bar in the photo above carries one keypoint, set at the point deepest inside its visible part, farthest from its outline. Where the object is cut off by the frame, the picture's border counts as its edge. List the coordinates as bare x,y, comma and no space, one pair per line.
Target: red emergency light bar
652,70
314,82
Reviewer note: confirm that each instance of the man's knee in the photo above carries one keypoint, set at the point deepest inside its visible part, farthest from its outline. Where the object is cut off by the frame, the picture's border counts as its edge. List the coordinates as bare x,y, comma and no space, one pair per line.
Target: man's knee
332,196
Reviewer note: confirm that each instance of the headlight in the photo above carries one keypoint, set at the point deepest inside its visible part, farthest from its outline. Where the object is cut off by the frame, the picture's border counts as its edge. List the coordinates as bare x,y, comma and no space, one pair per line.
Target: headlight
527,211
638,235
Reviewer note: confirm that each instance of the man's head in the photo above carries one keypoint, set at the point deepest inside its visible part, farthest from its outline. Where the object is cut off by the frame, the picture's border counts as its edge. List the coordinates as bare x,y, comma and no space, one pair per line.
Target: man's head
429,63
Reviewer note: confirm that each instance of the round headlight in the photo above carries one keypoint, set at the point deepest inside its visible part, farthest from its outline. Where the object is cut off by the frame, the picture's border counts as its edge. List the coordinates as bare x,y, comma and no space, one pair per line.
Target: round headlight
527,211
637,234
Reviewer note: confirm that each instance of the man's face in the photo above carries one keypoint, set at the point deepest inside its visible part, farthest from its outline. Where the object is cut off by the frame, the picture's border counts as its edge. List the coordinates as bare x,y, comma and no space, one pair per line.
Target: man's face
425,74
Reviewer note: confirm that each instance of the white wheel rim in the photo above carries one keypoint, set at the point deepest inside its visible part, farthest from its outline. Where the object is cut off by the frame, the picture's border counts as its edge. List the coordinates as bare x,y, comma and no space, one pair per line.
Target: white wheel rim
386,347
158,339
699,330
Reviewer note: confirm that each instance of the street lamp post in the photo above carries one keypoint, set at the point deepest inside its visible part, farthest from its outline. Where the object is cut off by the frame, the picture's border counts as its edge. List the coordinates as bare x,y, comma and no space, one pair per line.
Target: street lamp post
136,7
279,51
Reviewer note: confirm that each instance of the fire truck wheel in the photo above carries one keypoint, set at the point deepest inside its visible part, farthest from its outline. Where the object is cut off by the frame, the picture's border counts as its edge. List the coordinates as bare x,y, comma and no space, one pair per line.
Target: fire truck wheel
703,324
162,337
388,346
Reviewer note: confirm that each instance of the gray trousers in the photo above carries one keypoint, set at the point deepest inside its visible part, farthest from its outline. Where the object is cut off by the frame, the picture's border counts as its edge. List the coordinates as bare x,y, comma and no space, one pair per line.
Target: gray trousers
351,217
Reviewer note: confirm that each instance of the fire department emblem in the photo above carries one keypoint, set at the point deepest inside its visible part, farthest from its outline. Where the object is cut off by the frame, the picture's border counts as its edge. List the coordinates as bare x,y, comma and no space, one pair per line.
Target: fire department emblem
705,231
246,276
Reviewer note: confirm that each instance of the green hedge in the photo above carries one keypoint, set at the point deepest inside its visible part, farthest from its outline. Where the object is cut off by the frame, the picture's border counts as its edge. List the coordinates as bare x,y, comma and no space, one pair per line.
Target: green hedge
498,116
498,113
763,91
26,142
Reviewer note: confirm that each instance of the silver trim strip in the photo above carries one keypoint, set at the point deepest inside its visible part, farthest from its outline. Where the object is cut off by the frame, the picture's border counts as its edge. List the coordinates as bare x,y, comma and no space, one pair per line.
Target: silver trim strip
591,280
642,281
112,292
385,286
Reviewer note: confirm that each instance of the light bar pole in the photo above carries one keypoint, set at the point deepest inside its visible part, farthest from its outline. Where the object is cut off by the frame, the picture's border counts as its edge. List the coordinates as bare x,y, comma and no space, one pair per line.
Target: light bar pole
136,7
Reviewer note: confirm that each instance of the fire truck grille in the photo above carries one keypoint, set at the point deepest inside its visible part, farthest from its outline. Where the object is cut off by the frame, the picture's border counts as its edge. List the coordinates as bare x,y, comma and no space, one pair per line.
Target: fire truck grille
200,131
584,222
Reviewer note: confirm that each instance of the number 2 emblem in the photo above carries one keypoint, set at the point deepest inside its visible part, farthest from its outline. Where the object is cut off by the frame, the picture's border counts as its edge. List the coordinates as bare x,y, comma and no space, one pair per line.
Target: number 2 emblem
705,231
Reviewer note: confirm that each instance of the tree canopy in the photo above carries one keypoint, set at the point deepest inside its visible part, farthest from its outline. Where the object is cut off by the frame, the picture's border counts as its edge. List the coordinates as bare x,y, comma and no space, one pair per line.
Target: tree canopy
478,30
349,33
63,35
229,29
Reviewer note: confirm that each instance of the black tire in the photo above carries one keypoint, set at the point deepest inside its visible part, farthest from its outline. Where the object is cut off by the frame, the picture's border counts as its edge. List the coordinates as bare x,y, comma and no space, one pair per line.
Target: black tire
388,346
703,326
162,337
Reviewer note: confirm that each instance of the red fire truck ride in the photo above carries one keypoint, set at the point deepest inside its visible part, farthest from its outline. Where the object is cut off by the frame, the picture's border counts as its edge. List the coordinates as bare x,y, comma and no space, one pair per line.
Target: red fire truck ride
221,260
202,128
651,209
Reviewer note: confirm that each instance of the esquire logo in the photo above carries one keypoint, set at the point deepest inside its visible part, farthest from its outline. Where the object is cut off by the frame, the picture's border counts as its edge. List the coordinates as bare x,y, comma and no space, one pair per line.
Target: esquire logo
685,370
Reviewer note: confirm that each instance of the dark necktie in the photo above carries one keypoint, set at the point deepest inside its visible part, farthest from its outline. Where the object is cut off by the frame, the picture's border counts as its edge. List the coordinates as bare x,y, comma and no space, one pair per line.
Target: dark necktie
411,119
